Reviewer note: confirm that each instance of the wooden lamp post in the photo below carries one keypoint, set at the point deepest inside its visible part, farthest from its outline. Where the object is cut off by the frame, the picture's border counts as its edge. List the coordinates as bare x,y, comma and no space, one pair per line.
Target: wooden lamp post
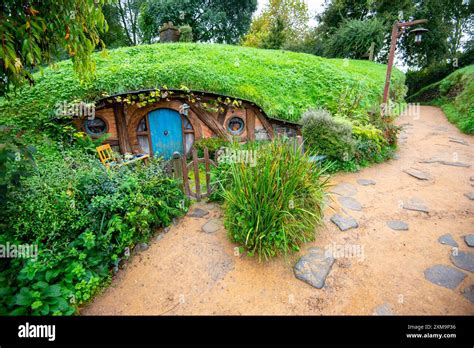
397,31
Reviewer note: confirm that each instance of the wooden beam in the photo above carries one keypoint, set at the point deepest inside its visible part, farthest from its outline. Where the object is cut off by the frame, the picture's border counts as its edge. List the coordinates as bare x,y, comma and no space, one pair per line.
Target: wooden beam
122,131
265,123
250,124
211,122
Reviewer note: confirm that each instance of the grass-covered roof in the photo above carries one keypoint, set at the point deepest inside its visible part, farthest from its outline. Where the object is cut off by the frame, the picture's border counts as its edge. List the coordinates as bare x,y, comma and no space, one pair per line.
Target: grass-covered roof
284,84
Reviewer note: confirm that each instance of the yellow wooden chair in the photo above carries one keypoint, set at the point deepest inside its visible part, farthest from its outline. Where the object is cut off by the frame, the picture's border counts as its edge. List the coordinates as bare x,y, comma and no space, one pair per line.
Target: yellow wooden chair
105,154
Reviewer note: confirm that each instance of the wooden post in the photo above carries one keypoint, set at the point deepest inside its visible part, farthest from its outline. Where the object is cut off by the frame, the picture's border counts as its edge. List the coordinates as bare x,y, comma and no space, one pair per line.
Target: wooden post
122,131
184,166
371,51
299,143
208,171
391,56
177,166
196,175
250,124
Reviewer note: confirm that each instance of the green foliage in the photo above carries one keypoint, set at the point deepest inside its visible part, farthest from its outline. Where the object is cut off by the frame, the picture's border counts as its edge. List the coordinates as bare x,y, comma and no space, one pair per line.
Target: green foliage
212,144
186,33
223,21
275,205
82,217
284,84
354,38
33,32
454,94
276,37
325,135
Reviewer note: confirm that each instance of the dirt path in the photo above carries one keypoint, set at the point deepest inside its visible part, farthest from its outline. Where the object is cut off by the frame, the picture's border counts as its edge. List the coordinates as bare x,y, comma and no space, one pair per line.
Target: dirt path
188,271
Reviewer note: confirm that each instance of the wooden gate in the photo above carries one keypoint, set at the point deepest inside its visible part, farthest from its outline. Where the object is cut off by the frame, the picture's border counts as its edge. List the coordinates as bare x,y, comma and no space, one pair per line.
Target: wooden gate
182,169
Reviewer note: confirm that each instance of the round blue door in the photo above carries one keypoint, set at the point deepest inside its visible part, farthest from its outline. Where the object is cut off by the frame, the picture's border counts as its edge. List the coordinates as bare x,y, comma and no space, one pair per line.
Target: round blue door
166,132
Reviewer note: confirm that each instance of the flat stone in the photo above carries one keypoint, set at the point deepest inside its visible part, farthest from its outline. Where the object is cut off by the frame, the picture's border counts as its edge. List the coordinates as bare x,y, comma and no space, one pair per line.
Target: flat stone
396,156
447,239
383,309
458,140
417,174
211,226
345,189
141,247
344,223
469,239
469,293
455,164
350,203
199,213
397,225
446,276
416,207
470,195
463,260
314,267
366,182
471,178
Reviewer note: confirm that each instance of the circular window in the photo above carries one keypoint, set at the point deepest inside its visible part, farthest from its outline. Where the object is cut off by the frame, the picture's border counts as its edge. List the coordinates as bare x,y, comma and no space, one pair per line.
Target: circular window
95,127
235,125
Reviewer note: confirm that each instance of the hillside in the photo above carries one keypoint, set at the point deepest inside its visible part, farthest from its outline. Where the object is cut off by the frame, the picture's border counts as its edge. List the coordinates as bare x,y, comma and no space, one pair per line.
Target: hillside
455,95
284,84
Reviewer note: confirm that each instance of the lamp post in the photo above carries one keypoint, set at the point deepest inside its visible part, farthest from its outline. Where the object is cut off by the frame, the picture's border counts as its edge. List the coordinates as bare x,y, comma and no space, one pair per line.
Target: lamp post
397,30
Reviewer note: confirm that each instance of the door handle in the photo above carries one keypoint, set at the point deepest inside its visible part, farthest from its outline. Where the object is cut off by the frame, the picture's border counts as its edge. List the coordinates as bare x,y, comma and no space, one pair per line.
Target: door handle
165,132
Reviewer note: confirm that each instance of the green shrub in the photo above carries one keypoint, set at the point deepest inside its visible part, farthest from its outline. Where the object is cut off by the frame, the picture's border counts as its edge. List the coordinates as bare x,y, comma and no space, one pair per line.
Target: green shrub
82,217
327,136
186,33
212,144
273,206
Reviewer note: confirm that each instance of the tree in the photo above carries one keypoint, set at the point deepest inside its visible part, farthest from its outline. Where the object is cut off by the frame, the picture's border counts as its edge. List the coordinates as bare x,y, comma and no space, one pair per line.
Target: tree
276,37
115,36
353,39
129,11
221,21
447,22
288,18
34,32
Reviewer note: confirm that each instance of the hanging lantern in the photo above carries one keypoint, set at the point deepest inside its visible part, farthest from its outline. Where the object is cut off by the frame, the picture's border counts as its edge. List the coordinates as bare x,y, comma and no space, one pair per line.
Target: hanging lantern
418,32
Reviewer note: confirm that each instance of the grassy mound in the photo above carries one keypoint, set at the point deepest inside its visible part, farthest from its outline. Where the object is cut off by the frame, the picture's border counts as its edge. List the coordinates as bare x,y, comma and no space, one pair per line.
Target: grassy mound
455,95
284,84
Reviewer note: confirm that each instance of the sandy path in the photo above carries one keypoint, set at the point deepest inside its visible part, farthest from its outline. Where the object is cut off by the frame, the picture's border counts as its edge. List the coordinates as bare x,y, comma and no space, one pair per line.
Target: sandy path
191,272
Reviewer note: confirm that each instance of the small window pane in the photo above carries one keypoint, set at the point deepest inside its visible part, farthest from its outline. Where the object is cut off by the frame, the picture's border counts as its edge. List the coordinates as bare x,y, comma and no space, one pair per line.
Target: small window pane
189,140
187,124
142,125
95,127
144,144
235,125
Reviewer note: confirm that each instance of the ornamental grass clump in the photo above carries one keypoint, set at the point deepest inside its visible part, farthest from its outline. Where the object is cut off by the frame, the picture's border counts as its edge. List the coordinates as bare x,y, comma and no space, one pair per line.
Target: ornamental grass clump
274,205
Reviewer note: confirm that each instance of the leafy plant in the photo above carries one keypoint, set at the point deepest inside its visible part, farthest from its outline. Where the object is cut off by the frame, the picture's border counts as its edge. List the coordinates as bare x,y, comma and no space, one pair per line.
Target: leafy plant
274,206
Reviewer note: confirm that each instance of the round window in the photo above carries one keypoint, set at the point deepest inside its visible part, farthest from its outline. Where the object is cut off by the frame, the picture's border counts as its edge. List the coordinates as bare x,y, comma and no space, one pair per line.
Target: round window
95,127
235,125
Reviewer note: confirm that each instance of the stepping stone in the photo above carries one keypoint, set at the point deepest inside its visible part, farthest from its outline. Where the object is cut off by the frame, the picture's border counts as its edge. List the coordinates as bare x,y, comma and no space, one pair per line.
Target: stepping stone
141,247
199,213
344,189
464,260
211,226
350,203
396,156
469,293
416,206
383,309
397,225
455,164
417,174
471,178
314,267
344,223
470,195
366,182
458,140
446,276
447,239
469,239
